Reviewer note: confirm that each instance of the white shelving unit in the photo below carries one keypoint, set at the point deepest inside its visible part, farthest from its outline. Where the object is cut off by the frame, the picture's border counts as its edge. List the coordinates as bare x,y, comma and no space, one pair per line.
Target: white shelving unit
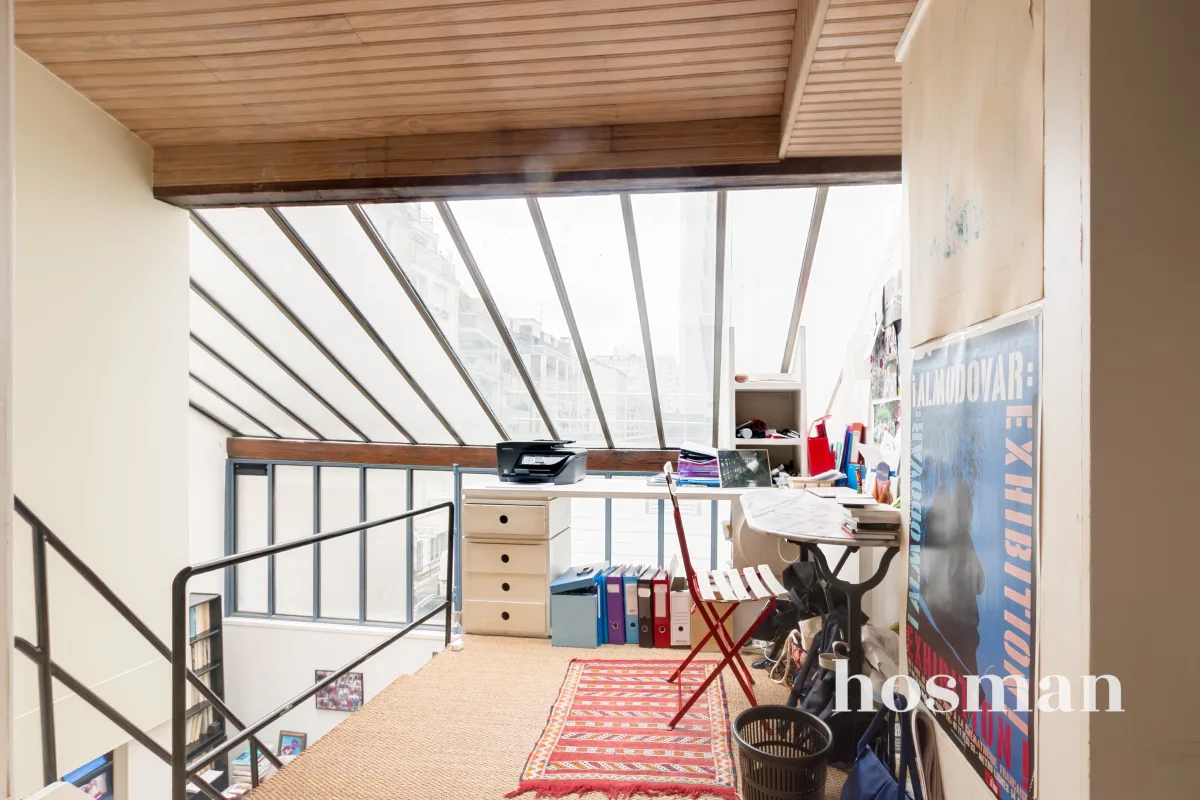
778,400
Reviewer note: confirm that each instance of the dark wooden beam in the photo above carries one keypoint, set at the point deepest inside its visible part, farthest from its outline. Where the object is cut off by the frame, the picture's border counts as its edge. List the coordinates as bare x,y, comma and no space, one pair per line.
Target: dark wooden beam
424,455
683,156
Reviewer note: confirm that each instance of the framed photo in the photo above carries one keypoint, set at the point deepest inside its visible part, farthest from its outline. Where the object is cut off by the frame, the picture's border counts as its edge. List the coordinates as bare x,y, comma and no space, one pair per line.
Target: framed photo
344,694
292,743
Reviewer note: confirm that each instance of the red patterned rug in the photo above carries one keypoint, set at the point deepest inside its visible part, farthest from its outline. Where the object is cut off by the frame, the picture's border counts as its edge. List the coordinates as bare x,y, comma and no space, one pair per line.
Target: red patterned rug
608,733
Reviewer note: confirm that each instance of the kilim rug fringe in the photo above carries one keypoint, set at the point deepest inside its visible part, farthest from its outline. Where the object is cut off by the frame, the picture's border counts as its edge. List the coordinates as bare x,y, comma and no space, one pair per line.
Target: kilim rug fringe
607,733
618,791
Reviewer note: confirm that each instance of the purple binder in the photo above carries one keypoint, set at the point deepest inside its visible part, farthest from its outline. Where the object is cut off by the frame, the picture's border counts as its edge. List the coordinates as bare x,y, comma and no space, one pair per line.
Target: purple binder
614,597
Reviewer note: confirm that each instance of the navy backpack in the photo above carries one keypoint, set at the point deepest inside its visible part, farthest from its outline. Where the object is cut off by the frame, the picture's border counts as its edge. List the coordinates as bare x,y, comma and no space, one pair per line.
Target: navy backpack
872,776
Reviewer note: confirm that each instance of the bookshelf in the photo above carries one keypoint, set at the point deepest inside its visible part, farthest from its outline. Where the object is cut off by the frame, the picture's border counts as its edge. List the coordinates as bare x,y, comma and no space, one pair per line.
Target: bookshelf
779,399
206,654
780,404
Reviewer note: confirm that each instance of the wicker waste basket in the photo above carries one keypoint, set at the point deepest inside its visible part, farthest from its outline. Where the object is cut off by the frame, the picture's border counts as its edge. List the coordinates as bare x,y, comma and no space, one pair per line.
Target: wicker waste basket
783,753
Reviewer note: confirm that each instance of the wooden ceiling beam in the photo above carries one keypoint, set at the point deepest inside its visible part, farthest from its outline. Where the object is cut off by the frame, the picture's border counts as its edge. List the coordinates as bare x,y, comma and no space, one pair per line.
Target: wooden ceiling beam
423,455
710,154
810,19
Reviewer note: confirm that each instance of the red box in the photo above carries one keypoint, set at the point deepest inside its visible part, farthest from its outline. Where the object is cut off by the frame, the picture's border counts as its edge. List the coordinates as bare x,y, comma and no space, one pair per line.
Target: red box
820,456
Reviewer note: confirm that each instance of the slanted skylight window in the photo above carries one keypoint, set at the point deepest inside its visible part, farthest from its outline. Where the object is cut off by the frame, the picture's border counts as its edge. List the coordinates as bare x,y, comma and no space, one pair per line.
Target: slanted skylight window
469,321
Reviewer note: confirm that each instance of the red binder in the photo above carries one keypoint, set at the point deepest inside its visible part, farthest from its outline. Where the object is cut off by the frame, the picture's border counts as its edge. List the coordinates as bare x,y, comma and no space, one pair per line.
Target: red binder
662,609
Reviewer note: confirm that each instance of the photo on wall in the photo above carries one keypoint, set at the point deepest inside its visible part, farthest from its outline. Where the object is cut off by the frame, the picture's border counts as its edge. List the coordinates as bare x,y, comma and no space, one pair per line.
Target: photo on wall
973,538
344,694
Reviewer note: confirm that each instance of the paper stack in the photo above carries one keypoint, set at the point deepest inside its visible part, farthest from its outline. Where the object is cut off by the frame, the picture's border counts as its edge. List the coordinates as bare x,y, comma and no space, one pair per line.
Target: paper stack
698,465
869,521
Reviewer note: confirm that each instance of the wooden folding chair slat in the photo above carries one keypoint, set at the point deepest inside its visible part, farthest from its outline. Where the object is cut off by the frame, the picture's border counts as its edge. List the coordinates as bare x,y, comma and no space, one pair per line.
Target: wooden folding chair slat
723,585
739,588
772,582
756,585
701,585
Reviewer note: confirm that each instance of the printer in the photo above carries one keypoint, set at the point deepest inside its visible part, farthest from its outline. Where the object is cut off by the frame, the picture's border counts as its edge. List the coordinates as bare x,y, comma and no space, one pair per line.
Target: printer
541,461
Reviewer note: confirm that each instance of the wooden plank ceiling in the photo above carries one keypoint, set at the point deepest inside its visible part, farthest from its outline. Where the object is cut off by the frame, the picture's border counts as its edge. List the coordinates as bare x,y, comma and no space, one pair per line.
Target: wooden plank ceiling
209,71
846,99
234,92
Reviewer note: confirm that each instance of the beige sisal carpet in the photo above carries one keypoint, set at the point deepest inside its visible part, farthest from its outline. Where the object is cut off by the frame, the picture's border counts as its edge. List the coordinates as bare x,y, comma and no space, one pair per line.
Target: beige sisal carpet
460,728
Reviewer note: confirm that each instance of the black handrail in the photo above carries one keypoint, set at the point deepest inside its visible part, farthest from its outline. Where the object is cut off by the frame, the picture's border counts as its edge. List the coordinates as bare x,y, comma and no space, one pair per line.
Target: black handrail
183,772
49,670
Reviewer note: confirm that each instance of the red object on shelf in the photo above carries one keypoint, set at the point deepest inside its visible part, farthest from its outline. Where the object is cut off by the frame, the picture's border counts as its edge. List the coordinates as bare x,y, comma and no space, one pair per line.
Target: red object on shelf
820,456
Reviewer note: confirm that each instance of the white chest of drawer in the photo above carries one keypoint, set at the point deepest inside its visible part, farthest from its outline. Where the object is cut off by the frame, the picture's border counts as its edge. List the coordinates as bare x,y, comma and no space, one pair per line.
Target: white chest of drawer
511,552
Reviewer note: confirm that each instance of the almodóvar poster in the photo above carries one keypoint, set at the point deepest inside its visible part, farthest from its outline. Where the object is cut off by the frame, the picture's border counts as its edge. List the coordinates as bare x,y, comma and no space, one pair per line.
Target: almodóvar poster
973,539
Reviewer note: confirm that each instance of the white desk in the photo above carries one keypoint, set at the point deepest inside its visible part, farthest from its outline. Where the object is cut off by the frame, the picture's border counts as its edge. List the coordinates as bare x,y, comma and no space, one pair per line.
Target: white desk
596,487
799,516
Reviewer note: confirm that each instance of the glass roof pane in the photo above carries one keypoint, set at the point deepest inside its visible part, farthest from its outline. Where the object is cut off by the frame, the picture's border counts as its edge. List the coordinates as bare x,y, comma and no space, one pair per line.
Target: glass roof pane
418,239
252,234
221,279
860,224
676,241
341,245
216,375
588,234
225,412
220,335
504,242
766,233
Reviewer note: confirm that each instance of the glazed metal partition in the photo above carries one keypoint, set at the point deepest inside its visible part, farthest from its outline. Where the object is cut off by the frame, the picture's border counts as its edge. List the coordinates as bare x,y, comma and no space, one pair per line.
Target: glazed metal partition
242,467
183,770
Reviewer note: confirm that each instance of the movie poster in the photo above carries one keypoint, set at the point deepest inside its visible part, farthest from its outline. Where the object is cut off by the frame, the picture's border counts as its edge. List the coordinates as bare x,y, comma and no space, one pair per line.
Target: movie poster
973,538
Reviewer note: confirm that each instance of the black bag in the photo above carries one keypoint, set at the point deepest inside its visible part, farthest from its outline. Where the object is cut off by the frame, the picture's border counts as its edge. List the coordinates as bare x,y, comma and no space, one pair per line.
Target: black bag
813,690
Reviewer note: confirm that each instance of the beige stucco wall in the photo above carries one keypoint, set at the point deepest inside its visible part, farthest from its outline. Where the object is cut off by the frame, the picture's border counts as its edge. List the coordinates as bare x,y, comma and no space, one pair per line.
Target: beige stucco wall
100,415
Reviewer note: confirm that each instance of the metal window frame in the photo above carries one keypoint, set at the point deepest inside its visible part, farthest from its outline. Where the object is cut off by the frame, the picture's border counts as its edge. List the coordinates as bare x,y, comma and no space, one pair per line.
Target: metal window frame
401,276
226,315
335,288
213,418
485,294
292,317
560,288
410,470
639,293
227,401
806,263
227,364
719,312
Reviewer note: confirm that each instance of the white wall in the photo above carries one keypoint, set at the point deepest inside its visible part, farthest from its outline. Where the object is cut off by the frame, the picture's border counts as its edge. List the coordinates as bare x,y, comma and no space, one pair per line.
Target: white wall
206,497
852,403
269,661
100,402
1143,286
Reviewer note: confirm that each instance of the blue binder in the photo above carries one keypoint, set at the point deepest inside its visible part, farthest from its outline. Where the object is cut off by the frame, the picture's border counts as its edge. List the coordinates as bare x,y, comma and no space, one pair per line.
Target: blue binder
602,621
629,583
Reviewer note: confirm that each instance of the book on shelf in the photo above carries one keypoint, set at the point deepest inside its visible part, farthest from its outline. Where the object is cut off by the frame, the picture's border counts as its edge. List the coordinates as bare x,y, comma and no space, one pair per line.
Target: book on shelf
198,724
201,618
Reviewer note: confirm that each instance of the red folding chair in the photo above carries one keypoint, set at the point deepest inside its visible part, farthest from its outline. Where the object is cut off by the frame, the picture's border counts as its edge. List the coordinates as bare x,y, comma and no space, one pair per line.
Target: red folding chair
720,586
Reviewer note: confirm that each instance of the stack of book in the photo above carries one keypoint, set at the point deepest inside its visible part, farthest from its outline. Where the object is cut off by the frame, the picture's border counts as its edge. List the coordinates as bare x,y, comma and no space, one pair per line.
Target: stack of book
239,767
870,521
698,465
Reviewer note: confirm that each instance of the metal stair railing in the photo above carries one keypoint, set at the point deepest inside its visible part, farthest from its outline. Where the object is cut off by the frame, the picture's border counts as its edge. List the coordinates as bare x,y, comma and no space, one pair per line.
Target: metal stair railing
49,670
184,771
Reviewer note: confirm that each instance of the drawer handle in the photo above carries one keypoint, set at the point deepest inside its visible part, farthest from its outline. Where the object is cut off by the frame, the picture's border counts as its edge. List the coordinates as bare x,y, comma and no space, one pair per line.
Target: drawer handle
504,586
504,519
504,558
504,616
